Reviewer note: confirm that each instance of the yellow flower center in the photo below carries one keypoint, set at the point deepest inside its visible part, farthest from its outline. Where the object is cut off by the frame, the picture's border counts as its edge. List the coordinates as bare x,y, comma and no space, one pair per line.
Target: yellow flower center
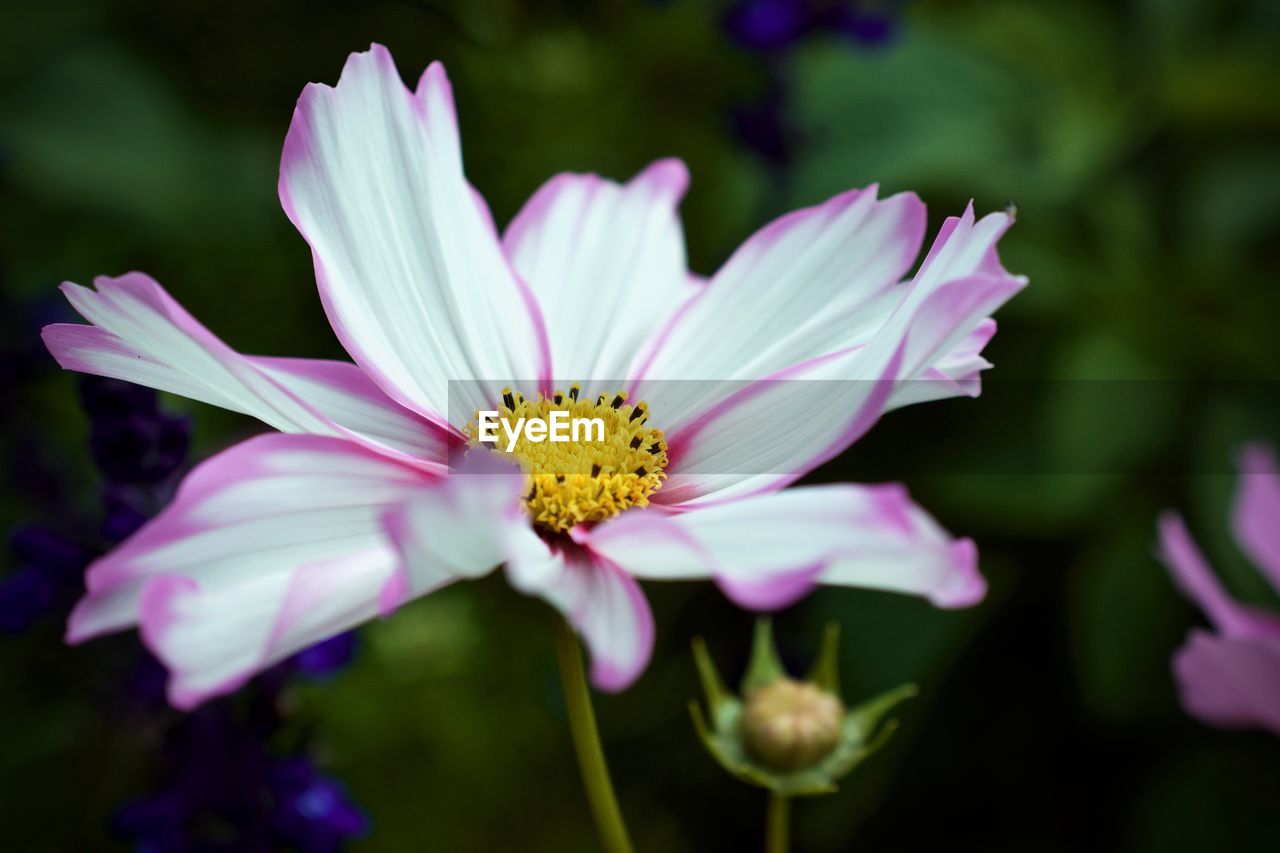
591,478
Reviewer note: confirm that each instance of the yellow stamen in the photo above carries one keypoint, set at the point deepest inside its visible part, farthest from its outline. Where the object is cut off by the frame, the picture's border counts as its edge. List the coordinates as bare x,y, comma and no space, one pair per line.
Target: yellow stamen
572,482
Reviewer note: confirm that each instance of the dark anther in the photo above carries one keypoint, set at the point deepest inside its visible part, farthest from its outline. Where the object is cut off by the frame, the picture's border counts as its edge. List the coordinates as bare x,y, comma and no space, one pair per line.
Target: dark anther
595,470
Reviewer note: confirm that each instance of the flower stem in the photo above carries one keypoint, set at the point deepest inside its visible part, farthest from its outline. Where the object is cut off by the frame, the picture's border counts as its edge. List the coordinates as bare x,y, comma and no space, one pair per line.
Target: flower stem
586,743
777,827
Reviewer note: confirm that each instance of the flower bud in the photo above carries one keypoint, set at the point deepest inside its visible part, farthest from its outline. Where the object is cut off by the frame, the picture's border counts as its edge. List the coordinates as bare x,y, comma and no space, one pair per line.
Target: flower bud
790,725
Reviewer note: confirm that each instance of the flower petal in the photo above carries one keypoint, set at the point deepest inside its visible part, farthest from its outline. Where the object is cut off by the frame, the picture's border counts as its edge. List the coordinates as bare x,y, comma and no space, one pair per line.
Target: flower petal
345,395
767,434
266,505
943,312
601,257
213,639
757,314
410,270
924,338
276,544
1230,682
459,531
603,603
1256,513
765,552
140,334
1197,581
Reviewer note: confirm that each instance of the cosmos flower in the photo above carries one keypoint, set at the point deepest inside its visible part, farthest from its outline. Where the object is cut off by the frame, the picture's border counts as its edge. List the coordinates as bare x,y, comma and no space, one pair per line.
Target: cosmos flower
802,339
1230,677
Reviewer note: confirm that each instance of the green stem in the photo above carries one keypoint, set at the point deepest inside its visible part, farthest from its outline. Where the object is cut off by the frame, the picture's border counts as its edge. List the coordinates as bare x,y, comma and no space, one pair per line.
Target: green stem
586,742
777,827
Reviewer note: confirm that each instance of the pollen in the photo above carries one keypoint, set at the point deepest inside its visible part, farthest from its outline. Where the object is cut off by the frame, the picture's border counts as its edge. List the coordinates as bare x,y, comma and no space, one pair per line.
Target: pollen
582,481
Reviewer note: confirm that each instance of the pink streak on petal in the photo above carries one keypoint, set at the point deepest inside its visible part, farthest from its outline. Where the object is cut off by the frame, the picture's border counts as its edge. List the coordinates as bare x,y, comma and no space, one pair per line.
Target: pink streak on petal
394,593
866,415
968,587
158,613
911,234
355,383
73,346
136,297
771,592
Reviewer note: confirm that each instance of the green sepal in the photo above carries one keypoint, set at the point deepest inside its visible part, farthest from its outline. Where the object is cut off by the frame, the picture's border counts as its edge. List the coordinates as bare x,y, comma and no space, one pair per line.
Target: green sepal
862,732
825,673
765,666
713,686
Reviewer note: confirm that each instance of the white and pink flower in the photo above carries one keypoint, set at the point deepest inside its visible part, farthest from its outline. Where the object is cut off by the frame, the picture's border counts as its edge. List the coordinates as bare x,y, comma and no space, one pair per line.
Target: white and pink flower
286,539
1230,677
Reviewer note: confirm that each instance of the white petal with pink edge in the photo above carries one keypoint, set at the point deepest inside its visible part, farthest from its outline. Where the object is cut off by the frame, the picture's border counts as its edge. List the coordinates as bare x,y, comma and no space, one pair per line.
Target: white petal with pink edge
606,262
774,431
602,602
924,338
141,334
766,552
462,530
268,547
409,267
769,306
767,434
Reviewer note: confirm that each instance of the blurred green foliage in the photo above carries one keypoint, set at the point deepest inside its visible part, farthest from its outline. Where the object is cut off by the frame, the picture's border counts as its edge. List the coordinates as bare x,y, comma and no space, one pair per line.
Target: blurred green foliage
1139,142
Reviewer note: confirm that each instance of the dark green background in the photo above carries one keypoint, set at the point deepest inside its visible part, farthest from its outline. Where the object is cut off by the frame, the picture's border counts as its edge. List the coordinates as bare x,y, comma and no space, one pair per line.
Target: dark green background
1139,141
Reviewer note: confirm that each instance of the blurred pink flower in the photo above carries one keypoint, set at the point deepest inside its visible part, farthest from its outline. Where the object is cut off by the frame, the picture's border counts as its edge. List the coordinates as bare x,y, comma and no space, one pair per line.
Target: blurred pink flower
1230,677
287,539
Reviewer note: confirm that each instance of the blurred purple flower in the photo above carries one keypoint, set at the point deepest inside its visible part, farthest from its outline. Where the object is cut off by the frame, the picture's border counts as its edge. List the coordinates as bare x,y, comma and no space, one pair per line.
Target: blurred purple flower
1230,677
50,577
769,24
224,790
124,512
25,596
774,25
327,656
132,441
137,447
868,26
313,811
